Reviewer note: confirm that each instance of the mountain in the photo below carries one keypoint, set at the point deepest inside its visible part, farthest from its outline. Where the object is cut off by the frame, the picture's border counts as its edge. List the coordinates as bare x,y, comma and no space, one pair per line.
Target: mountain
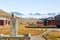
51,13
38,14
31,14
17,13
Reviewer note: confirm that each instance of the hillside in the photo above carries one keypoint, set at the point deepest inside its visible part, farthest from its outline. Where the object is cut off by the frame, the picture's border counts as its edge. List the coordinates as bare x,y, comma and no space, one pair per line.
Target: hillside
6,14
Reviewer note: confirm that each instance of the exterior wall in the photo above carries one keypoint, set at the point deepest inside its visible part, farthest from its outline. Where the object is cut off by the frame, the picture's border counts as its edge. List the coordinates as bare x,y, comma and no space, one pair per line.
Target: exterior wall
40,23
45,22
57,21
3,22
28,21
49,22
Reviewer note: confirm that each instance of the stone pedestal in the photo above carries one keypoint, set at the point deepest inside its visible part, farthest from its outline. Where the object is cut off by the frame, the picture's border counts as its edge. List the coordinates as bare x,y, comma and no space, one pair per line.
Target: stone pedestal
13,27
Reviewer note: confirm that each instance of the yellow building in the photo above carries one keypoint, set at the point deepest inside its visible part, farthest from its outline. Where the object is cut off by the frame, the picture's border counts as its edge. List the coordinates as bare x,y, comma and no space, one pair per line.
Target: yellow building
28,20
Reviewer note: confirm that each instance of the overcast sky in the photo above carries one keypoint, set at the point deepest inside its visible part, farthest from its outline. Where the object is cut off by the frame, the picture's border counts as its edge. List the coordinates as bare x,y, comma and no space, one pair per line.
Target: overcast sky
31,6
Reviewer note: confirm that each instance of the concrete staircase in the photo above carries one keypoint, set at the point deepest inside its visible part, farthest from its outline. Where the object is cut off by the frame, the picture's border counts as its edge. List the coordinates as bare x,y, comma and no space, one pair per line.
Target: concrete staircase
37,37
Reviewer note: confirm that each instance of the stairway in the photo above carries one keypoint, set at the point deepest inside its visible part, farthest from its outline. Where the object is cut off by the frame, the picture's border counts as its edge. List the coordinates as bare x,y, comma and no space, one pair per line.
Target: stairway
37,38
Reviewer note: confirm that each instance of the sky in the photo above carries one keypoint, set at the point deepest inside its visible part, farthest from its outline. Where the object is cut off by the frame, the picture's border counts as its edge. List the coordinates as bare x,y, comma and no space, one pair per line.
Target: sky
31,6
